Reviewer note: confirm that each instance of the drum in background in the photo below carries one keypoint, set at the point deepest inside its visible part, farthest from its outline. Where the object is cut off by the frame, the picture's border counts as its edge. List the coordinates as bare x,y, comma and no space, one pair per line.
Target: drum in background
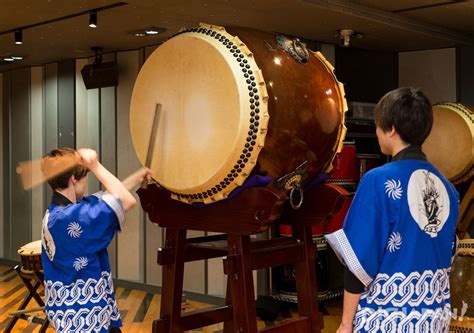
285,278
235,102
462,286
329,273
466,325
337,219
30,255
450,145
345,166
365,162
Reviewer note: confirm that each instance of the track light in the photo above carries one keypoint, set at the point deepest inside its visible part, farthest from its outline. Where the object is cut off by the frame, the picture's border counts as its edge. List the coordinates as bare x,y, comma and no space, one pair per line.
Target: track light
93,20
18,37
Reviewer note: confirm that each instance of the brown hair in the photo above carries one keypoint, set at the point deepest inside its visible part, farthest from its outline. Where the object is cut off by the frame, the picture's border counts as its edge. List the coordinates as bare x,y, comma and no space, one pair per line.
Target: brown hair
409,111
61,181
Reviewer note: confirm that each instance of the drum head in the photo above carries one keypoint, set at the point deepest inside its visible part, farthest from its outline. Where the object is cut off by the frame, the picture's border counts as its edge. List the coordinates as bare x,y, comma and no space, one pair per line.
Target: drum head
449,147
203,125
30,249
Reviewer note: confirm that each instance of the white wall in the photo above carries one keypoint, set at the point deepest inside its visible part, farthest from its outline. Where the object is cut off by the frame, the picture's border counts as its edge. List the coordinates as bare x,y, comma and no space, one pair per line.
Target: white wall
434,71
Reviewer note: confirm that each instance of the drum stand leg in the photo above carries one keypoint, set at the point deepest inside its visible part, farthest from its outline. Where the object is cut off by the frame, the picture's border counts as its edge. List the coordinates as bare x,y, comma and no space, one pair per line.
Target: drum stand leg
306,279
229,324
241,283
173,274
32,293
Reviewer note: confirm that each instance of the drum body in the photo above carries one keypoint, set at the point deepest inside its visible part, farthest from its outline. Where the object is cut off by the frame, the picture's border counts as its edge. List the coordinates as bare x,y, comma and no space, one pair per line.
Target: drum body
462,279
31,256
235,102
450,145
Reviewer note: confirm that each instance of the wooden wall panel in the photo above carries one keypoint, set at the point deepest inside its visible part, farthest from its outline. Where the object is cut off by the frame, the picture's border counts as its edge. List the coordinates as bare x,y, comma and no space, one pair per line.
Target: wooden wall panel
82,128
6,244
108,144
37,142
50,115
20,150
66,103
130,250
2,159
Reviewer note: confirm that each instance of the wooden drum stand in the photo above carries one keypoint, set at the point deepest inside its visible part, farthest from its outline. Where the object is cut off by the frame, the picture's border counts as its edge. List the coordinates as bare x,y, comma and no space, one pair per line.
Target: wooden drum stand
251,212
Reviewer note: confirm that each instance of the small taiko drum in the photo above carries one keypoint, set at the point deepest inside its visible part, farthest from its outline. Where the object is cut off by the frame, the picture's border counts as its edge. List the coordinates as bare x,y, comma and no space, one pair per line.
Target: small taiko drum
366,162
462,288
30,255
450,145
231,103
345,166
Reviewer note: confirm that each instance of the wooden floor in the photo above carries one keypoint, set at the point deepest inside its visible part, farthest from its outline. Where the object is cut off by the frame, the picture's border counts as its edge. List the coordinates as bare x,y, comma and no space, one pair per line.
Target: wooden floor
138,308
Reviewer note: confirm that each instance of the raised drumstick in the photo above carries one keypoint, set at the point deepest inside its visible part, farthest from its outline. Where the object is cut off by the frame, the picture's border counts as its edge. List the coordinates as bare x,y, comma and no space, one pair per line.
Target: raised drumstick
151,143
33,173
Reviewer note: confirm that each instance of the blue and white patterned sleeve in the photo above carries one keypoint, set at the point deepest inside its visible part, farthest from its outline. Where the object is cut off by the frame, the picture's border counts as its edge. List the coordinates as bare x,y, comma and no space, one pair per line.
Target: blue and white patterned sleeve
94,222
361,243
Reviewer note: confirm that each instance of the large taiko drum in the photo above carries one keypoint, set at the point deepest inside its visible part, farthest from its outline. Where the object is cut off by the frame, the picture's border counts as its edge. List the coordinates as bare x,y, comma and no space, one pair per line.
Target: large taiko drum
450,145
235,102
462,287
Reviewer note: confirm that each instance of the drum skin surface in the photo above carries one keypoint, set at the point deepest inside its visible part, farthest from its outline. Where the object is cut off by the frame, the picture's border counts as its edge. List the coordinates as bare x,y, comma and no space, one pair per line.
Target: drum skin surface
31,256
450,145
234,104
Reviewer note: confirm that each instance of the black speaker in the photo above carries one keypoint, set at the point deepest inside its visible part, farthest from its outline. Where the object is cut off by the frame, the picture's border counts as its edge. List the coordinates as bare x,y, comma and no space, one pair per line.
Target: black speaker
100,75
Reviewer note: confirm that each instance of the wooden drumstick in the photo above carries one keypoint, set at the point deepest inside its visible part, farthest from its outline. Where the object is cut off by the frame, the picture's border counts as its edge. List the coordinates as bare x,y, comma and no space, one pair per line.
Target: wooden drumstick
33,173
151,143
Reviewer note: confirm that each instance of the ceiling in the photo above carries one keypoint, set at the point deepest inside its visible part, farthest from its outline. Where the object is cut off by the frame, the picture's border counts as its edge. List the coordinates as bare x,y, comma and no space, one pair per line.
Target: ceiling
386,25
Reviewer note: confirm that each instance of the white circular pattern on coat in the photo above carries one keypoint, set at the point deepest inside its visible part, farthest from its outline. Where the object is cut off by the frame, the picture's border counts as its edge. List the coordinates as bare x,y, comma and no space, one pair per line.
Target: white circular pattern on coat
394,242
74,230
428,201
80,263
394,189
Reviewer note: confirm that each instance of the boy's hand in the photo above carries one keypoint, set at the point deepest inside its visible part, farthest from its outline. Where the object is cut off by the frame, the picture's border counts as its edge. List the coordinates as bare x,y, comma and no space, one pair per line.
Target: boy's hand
88,158
136,178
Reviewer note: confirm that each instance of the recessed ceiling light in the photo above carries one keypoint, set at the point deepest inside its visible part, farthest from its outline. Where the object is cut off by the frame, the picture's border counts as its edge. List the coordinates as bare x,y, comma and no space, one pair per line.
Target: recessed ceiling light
17,57
8,59
152,31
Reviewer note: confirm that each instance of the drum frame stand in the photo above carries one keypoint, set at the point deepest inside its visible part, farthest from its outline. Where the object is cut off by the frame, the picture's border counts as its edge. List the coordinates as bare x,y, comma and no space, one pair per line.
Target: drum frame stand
251,212
20,313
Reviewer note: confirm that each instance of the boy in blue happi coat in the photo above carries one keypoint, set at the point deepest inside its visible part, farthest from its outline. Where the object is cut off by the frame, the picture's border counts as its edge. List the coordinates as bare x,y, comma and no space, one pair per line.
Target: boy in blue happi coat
75,234
398,238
